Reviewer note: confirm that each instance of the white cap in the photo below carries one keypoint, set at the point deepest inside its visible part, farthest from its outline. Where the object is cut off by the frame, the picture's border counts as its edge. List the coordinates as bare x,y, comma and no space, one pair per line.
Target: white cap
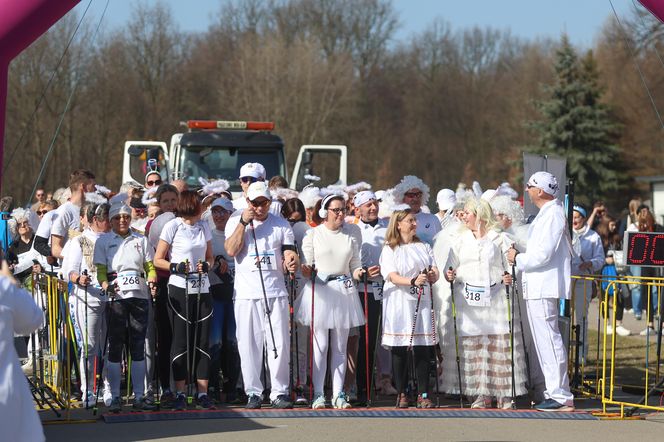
224,203
545,181
118,208
255,170
446,199
257,190
363,197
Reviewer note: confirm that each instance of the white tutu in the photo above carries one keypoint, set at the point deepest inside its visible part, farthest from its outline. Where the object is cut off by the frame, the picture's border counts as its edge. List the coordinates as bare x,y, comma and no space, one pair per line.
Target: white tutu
335,307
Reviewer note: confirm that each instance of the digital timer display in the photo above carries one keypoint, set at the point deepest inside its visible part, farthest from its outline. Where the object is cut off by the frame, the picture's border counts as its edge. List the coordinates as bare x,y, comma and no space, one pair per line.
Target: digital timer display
644,249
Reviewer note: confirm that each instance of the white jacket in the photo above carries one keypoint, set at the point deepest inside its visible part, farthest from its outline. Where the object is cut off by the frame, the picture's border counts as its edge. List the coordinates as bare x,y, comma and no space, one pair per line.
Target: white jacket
546,264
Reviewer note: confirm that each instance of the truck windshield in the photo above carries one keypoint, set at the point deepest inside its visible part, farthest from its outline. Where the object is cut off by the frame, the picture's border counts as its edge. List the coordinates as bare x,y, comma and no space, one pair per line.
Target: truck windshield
214,162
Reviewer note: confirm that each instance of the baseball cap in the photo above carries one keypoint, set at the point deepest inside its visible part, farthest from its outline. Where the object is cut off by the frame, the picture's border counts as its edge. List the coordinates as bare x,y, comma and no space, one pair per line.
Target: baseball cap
224,203
257,190
446,199
119,209
254,170
545,181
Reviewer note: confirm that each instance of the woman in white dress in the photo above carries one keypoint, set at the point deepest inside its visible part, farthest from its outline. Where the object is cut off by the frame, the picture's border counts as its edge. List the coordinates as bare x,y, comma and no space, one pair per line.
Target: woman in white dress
334,248
409,269
479,265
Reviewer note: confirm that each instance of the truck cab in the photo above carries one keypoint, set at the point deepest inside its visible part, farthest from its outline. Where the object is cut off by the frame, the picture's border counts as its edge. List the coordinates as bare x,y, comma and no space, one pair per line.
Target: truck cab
217,149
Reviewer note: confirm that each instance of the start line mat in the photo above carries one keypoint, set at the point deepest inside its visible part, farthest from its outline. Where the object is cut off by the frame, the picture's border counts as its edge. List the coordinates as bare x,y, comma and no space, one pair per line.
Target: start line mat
237,413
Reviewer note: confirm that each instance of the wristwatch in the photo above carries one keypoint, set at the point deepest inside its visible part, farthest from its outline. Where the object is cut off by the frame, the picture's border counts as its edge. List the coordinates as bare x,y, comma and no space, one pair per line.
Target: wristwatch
243,222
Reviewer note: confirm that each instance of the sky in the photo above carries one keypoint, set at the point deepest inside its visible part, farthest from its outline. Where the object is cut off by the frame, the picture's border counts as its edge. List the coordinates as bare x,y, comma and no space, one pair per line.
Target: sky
529,19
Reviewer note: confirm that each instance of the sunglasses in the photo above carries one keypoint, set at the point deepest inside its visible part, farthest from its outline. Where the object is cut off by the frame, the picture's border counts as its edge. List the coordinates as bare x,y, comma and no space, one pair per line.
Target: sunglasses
41,212
154,183
337,211
260,203
529,186
294,221
248,179
413,194
122,216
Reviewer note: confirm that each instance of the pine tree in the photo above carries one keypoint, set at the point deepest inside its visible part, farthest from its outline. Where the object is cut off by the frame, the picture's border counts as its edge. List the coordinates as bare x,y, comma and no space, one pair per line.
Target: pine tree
578,126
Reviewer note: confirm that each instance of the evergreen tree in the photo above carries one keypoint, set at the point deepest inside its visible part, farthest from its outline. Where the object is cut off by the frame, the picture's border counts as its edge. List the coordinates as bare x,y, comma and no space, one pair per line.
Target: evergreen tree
578,126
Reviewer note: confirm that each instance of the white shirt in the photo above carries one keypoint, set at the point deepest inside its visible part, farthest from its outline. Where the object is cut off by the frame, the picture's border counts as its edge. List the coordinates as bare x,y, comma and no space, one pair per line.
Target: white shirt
334,252
69,218
271,235
546,263
587,245
373,239
218,249
188,243
124,256
427,227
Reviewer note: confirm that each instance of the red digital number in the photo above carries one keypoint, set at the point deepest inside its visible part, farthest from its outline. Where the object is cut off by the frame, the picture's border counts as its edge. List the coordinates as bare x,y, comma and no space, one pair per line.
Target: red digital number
636,237
658,262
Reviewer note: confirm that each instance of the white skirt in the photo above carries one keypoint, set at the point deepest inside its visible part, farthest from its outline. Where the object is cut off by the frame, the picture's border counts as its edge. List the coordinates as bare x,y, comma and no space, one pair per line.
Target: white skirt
335,307
398,314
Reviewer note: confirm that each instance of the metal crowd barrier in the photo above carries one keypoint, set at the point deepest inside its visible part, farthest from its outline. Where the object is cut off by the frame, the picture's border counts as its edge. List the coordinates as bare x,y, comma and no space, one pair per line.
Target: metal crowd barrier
598,378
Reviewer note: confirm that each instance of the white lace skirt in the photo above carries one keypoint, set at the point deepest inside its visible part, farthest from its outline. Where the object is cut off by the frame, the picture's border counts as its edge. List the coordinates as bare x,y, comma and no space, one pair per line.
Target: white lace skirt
335,307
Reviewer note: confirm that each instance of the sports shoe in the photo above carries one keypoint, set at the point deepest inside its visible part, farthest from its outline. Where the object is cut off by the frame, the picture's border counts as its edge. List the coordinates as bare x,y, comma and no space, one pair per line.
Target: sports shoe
647,331
319,402
505,403
340,401
27,367
89,400
253,402
204,403
386,387
423,401
551,405
115,406
180,403
167,400
622,331
108,398
142,404
282,402
481,402
402,401
299,397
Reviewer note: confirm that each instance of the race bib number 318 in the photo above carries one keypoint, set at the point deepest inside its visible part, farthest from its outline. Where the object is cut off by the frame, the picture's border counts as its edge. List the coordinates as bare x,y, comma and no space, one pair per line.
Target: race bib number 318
476,296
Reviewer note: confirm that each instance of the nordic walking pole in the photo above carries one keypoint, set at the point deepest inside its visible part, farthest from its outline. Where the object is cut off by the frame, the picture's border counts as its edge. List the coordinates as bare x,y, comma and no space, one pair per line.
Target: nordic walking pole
198,316
187,322
417,309
291,301
151,286
365,279
511,331
456,339
435,345
523,336
85,353
98,378
297,342
260,274
311,335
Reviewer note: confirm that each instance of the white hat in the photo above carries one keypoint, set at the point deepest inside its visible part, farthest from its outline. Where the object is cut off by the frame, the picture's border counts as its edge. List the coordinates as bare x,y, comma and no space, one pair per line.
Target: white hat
118,209
255,170
224,203
410,182
545,181
363,197
309,196
446,199
257,190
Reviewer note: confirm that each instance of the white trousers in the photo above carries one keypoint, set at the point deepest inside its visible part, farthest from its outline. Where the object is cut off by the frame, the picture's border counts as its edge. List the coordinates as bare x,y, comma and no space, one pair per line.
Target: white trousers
253,333
91,337
551,353
337,343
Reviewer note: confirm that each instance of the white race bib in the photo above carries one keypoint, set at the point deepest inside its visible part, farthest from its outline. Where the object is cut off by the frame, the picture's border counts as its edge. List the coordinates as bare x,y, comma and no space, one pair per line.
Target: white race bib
129,281
267,261
194,285
476,296
377,288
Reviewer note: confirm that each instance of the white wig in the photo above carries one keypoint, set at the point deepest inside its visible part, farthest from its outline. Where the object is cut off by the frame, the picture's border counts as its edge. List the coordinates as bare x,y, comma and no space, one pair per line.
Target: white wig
18,215
211,187
148,197
95,198
309,196
411,182
503,204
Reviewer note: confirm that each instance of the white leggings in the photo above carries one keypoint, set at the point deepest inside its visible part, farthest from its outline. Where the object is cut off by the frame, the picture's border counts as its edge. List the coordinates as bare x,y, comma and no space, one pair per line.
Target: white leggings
338,340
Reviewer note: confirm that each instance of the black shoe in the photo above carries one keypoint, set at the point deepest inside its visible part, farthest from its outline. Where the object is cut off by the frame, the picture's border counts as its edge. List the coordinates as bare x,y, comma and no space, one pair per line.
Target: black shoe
180,402
282,402
143,404
551,405
253,402
204,403
167,400
116,405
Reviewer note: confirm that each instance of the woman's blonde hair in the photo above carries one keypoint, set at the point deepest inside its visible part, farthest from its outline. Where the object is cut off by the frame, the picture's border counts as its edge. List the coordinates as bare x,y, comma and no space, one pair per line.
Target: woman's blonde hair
482,211
392,235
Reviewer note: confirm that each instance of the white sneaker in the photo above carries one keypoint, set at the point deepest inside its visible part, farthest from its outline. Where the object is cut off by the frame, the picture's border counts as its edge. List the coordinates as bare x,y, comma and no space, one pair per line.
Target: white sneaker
319,402
108,397
340,401
609,330
386,387
647,331
27,367
481,402
622,331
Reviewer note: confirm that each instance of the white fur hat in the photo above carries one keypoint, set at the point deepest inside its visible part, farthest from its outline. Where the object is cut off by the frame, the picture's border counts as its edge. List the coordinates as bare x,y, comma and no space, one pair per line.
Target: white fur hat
411,182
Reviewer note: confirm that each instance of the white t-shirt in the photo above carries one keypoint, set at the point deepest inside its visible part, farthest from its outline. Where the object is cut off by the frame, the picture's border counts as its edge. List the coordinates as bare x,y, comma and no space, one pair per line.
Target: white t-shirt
271,235
188,243
427,227
157,226
125,256
218,239
69,218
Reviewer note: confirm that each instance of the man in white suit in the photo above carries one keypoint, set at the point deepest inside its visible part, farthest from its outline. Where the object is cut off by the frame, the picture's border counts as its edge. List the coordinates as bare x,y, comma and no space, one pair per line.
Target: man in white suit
546,279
